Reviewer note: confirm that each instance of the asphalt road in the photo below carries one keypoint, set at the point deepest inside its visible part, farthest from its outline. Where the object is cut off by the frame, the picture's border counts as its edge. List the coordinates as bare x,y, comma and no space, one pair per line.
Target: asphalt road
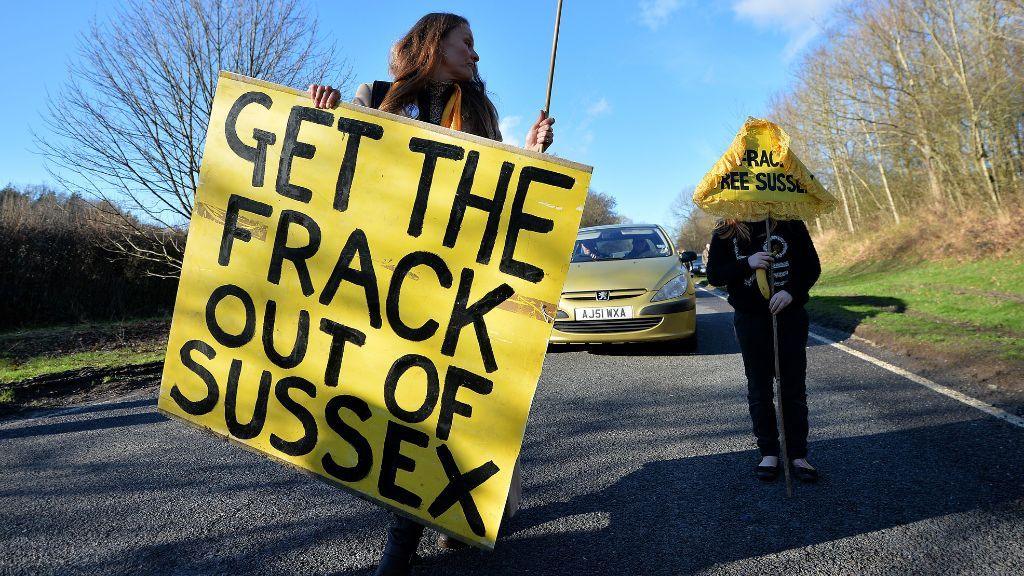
633,464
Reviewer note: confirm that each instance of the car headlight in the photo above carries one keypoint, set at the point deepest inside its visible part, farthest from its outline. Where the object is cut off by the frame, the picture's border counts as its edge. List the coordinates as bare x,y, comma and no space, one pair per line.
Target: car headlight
674,288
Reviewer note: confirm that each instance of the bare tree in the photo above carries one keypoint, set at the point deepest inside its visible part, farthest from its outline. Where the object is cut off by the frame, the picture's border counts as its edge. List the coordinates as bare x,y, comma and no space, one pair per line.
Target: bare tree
599,209
693,226
130,124
913,105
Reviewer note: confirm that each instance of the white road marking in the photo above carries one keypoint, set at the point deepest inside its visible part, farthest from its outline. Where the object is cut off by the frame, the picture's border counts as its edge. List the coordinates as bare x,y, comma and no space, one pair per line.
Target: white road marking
945,391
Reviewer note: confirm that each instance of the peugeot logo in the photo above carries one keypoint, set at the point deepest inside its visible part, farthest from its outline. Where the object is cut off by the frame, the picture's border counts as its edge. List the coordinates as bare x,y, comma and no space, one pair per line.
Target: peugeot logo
603,295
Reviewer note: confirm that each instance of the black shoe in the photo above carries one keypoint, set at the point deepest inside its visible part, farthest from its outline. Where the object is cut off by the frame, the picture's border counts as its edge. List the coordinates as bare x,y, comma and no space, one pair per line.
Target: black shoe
767,473
806,475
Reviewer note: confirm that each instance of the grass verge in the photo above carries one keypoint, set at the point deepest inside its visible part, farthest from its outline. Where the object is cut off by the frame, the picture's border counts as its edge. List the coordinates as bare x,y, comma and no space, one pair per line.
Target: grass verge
40,366
965,313
75,350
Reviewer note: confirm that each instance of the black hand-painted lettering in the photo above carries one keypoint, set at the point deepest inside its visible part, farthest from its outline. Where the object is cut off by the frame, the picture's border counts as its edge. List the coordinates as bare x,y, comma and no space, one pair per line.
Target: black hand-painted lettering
364,454
363,276
431,152
301,338
296,255
392,303
236,204
749,156
493,207
213,324
258,154
340,334
259,410
761,181
292,147
454,379
735,181
460,489
305,444
355,129
259,169
464,314
520,221
392,460
433,388
209,402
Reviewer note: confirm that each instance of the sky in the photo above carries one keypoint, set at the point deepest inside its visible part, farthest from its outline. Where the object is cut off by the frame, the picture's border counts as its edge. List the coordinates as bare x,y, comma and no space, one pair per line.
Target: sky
648,92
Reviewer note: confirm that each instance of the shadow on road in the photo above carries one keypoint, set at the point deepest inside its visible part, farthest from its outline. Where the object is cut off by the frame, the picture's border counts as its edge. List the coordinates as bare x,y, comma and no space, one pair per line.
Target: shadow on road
107,406
83,425
687,515
665,349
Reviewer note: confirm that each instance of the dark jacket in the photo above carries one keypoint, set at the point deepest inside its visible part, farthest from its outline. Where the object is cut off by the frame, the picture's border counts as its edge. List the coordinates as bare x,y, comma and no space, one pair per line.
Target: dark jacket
796,267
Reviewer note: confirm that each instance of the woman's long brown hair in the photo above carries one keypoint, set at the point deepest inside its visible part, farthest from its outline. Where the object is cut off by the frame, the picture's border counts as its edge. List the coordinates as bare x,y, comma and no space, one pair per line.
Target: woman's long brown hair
729,228
414,59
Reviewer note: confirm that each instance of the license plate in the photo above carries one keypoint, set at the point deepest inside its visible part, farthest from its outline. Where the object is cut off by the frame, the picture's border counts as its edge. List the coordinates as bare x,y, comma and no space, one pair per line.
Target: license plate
615,313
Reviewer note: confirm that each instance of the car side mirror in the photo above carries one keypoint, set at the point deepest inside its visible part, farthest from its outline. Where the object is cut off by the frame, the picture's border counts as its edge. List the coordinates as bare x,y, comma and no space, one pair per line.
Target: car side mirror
687,256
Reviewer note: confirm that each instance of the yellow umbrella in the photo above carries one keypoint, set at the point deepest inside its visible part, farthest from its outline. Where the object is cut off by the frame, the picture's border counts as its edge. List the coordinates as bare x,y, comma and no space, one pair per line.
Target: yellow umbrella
759,177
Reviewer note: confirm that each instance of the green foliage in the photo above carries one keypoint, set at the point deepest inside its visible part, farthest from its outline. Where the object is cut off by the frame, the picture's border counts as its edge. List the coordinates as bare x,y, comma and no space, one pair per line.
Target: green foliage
966,308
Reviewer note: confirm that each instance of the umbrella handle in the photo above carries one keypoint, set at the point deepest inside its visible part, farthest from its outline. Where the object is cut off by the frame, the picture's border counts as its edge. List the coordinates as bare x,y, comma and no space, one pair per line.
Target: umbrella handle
777,380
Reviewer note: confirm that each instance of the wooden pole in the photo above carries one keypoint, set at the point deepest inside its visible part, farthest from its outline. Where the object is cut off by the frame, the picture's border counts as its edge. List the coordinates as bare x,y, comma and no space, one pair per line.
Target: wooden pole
539,146
777,380
554,52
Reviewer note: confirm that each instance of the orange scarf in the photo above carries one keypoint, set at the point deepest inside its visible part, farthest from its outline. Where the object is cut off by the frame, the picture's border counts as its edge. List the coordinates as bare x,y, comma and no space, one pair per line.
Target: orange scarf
452,115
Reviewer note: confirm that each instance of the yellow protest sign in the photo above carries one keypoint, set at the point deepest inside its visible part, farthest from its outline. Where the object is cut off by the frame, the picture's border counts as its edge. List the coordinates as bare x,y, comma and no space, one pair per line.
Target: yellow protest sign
369,298
760,176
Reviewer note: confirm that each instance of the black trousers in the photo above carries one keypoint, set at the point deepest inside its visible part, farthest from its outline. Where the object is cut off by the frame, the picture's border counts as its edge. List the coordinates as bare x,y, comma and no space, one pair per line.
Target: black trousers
754,332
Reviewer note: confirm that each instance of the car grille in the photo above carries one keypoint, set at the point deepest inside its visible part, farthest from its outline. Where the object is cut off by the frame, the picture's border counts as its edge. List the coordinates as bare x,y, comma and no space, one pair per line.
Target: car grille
612,294
607,326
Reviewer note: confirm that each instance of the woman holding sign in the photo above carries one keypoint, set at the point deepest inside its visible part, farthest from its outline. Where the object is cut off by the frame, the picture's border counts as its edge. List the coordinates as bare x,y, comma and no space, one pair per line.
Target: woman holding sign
738,250
435,80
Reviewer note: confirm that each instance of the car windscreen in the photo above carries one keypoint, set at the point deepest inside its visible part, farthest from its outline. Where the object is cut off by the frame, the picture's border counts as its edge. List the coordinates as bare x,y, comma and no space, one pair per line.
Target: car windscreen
620,244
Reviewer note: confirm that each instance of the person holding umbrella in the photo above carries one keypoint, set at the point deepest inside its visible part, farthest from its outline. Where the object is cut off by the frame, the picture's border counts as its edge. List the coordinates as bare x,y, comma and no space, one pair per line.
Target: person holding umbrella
435,80
737,250
761,251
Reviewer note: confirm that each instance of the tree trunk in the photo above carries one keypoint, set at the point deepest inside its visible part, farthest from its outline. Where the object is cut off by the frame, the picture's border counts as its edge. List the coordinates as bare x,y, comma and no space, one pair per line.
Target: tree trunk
842,193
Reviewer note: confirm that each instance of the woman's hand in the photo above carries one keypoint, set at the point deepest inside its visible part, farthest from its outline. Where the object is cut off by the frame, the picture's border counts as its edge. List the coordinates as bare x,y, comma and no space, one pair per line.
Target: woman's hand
324,96
759,260
541,134
780,300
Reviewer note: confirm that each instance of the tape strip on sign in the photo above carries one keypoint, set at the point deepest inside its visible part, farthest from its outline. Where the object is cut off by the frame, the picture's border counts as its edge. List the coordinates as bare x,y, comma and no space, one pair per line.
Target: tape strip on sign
945,391
369,298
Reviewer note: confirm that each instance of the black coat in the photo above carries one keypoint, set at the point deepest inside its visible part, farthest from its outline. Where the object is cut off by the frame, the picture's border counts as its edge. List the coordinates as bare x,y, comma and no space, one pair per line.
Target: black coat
796,267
